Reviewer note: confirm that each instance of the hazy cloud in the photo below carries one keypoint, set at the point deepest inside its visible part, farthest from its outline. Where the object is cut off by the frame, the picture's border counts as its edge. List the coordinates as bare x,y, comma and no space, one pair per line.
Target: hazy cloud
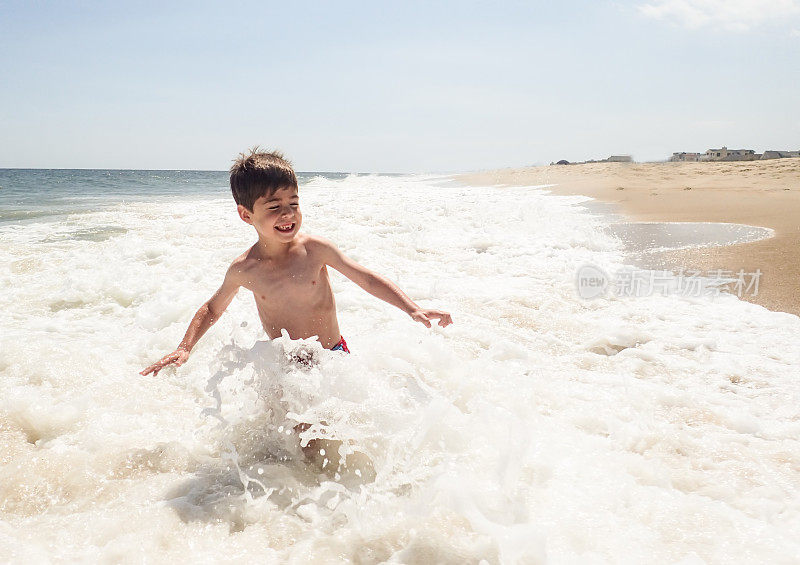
733,15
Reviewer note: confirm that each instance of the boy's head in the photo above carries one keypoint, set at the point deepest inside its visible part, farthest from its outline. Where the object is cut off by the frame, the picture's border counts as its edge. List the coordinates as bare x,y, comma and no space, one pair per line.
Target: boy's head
260,174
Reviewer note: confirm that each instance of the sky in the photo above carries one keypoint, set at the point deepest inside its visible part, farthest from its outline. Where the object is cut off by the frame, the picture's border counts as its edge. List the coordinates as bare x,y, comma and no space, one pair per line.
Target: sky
393,86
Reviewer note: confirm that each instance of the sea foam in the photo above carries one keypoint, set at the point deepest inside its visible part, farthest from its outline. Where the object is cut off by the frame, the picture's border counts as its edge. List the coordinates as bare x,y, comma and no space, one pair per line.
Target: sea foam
538,427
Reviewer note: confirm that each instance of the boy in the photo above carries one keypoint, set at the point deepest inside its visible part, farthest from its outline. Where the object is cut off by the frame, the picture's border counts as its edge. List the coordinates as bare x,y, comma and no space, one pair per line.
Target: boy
286,271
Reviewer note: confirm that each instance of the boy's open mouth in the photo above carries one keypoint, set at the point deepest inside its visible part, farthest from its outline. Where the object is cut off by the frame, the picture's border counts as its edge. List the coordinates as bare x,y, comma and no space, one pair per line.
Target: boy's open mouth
285,227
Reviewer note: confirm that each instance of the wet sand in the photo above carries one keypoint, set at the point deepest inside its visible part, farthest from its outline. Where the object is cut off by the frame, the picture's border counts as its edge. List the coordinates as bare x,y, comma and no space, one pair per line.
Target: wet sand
756,193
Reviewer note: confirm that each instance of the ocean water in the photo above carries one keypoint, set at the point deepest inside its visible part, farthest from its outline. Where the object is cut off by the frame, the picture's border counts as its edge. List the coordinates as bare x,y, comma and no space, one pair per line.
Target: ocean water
541,427
645,241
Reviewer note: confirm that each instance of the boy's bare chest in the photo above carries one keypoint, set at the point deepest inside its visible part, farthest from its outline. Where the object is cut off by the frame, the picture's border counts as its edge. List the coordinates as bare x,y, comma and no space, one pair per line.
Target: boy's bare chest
295,278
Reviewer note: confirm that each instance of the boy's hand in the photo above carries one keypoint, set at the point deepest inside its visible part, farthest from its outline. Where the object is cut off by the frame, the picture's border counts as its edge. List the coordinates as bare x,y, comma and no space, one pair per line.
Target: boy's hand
177,357
425,316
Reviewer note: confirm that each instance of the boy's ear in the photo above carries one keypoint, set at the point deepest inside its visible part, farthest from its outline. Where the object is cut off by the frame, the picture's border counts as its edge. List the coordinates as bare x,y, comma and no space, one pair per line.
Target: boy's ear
244,214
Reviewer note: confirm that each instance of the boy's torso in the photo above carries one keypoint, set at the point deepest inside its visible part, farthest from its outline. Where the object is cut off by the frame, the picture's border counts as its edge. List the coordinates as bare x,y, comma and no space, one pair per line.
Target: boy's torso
293,293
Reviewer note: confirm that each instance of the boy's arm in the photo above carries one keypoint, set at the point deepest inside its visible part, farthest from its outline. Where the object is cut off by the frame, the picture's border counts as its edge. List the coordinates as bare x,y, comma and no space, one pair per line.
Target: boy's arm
205,317
379,286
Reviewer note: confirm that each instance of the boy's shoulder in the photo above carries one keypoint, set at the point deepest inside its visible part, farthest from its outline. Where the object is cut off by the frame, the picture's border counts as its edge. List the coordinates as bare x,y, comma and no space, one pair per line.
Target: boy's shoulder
248,257
320,247
241,265
315,242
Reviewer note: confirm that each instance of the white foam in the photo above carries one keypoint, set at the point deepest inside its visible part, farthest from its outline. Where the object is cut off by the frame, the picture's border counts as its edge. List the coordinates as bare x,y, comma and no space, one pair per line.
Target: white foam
539,426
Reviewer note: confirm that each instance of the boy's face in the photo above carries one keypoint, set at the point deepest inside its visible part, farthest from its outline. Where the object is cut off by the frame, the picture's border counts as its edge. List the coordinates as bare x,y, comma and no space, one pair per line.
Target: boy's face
276,216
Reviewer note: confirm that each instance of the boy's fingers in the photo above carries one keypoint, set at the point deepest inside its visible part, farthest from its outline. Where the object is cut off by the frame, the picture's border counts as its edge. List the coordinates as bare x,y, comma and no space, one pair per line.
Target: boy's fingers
444,319
156,367
171,359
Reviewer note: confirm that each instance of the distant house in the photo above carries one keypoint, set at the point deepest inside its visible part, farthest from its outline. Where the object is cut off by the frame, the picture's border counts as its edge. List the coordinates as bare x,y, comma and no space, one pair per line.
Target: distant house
684,156
780,154
725,154
620,159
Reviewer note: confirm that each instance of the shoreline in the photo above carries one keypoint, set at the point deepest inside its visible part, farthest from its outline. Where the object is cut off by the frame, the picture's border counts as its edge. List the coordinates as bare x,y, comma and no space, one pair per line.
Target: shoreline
755,193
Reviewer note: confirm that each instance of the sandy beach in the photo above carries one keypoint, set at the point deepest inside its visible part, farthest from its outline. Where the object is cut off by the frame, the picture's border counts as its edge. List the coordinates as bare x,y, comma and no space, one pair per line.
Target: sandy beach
757,193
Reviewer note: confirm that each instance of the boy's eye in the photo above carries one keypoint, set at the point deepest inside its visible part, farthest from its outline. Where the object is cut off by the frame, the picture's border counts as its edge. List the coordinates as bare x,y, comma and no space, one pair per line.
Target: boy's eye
273,207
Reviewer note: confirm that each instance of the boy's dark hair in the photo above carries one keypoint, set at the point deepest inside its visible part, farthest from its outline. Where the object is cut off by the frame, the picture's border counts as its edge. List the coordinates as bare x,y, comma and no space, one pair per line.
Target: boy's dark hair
260,174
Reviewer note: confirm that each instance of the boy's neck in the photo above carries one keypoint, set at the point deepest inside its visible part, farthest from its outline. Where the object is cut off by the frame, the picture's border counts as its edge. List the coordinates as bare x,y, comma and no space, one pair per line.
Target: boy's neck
273,249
